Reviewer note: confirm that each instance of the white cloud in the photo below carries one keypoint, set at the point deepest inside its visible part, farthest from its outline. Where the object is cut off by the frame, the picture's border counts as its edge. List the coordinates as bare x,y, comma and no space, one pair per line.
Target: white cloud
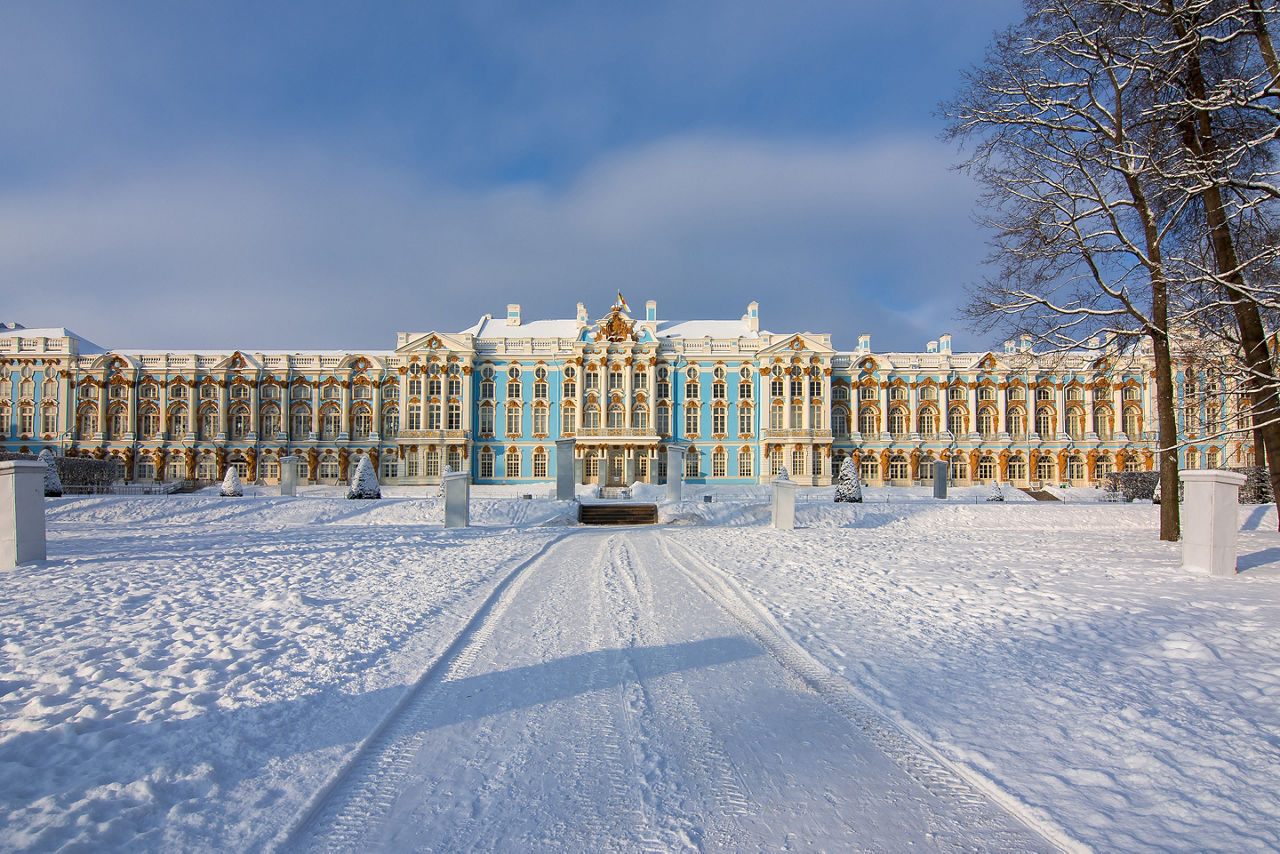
302,247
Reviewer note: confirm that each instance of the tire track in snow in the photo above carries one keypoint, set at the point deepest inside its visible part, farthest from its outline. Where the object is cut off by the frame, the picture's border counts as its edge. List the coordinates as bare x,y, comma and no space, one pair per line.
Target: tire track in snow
367,786
979,803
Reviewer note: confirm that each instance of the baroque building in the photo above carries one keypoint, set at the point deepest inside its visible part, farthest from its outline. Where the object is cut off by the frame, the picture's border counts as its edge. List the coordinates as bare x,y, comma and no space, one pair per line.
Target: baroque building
494,398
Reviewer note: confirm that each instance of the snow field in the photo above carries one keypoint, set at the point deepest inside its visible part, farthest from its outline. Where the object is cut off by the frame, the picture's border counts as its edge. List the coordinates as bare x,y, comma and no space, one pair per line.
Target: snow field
188,672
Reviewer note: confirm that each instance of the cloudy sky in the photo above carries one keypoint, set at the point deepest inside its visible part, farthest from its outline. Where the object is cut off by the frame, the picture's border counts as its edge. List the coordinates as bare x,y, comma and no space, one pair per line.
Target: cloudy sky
322,175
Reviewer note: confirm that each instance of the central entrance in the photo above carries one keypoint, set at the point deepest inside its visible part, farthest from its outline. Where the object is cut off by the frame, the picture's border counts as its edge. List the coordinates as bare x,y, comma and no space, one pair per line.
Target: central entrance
616,469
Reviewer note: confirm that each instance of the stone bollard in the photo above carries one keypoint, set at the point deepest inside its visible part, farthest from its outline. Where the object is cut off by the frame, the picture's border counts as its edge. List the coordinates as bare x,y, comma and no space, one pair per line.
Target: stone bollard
457,504
21,512
564,470
1209,520
289,475
784,502
941,470
675,471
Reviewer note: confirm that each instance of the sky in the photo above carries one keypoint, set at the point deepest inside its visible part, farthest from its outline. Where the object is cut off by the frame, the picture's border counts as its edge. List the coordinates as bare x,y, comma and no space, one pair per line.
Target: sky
324,175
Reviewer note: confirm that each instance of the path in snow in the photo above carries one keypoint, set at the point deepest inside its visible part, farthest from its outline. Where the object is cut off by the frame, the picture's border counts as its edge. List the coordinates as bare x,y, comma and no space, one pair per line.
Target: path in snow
617,693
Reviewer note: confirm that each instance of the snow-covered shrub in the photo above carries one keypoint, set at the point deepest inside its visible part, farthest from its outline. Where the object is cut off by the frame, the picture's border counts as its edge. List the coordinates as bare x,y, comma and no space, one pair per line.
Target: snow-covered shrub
1257,485
997,494
75,471
1155,495
848,484
364,481
52,483
231,485
1133,484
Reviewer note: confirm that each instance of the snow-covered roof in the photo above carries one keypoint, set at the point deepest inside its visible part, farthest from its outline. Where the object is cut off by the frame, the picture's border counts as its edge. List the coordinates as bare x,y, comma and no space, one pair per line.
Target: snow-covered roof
84,347
489,327
706,329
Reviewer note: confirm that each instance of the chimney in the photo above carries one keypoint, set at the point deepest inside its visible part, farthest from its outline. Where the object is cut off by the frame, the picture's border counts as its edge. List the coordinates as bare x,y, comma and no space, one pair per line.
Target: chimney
753,316
651,311
864,343
944,343
513,314
1024,343
1008,346
582,314
931,347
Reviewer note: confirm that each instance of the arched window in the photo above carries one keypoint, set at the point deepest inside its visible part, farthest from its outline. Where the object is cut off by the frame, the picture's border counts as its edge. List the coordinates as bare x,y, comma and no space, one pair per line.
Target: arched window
1016,419
987,421
956,421
840,422
959,468
869,468
1103,422
1075,467
617,416
898,422
927,422
239,421
1133,422
898,468
117,421
1102,467
1075,422
178,421
1044,422
328,471
299,422
330,422
86,420
926,469
270,421
391,421
987,468
1045,468
640,418
591,416
148,421
1017,468
868,421
361,422
208,422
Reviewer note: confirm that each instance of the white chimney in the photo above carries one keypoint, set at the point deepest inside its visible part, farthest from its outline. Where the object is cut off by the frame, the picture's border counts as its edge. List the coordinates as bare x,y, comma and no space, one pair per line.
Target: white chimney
513,314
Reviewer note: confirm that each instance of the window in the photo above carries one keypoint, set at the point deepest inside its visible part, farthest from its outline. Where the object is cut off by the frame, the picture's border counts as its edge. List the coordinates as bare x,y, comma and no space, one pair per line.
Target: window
617,416
744,463
745,425
1103,420
815,415
455,385
239,421
569,388
513,420
119,391
987,468
591,380
1044,468
987,422
719,463
270,421
640,418
486,420
869,422
1131,463
1133,422
615,379
269,392
539,463
868,392
49,420
26,420
301,391
390,467
692,414
513,462
1212,458
797,388
1017,393
1075,422
839,393
412,465
926,470
486,462
540,386
330,392
691,390
898,468
591,466
1132,392
1016,468
487,391
1017,423
240,391
391,422
390,391
986,392
453,416
87,418
1044,393
362,423
539,426
431,463
959,468
775,461
568,420
1075,393
816,463
328,468
299,423
147,391
956,421
928,392
330,423
745,390
662,419
927,422
691,463
207,468
513,386
434,388
777,414
591,417
956,392
869,468
777,387
1044,422
840,423
719,391
898,422
1193,458
718,426
1075,467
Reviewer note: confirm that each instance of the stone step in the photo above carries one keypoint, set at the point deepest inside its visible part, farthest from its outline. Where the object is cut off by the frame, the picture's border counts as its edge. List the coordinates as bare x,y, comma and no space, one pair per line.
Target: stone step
618,514
1040,494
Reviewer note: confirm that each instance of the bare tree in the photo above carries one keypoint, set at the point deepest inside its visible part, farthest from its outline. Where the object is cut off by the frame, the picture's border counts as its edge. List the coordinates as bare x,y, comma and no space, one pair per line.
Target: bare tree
1063,137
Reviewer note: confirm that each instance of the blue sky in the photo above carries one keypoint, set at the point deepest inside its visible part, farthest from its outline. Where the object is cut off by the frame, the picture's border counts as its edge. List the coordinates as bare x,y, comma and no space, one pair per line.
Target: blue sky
268,175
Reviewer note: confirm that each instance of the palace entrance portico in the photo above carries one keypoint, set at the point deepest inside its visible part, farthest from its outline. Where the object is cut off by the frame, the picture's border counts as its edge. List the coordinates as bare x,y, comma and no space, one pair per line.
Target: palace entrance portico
615,457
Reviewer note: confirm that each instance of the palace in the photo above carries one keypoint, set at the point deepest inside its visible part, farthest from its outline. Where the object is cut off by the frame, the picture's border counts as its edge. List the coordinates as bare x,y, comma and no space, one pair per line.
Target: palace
494,398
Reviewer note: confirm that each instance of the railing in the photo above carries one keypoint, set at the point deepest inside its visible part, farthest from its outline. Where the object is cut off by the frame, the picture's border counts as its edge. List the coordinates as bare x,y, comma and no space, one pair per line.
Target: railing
433,434
610,432
797,434
167,488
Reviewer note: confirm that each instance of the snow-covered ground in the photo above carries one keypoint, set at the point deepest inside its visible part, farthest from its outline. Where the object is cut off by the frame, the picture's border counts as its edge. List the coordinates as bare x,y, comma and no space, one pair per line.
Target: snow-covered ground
207,673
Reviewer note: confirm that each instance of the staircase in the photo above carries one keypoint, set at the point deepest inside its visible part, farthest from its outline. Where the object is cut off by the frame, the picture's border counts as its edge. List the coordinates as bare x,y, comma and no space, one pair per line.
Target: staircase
1040,494
618,514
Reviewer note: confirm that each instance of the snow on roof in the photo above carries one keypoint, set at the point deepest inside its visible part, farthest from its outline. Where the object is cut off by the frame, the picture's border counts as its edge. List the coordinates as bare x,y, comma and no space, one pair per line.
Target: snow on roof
85,347
706,329
489,327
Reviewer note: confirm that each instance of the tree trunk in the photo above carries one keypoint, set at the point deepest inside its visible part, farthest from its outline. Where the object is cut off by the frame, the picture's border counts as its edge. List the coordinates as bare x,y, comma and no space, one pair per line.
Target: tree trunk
1198,136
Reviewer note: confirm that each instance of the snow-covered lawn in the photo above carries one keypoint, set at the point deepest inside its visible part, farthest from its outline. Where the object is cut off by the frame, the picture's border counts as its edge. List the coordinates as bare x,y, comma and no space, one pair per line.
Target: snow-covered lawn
189,672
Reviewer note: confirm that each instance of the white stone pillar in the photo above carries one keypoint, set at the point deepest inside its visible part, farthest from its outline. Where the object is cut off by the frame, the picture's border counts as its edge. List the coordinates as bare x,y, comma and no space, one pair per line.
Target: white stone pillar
21,512
564,469
289,475
941,474
675,470
1209,520
457,507
784,502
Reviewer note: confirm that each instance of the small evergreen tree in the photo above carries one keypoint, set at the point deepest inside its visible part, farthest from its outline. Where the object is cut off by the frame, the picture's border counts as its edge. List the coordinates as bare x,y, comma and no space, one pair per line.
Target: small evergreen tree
1155,496
231,485
848,484
364,481
997,493
52,483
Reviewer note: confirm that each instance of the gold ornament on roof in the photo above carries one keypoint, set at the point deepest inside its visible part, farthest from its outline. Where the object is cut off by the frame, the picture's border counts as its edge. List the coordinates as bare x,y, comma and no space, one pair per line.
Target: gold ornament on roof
616,327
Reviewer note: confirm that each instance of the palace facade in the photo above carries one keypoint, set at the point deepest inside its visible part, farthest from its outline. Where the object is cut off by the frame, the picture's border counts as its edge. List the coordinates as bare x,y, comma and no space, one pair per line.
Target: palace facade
494,398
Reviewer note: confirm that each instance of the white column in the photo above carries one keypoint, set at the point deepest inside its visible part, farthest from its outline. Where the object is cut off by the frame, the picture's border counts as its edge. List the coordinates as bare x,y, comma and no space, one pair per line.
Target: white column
1209,520
22,533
